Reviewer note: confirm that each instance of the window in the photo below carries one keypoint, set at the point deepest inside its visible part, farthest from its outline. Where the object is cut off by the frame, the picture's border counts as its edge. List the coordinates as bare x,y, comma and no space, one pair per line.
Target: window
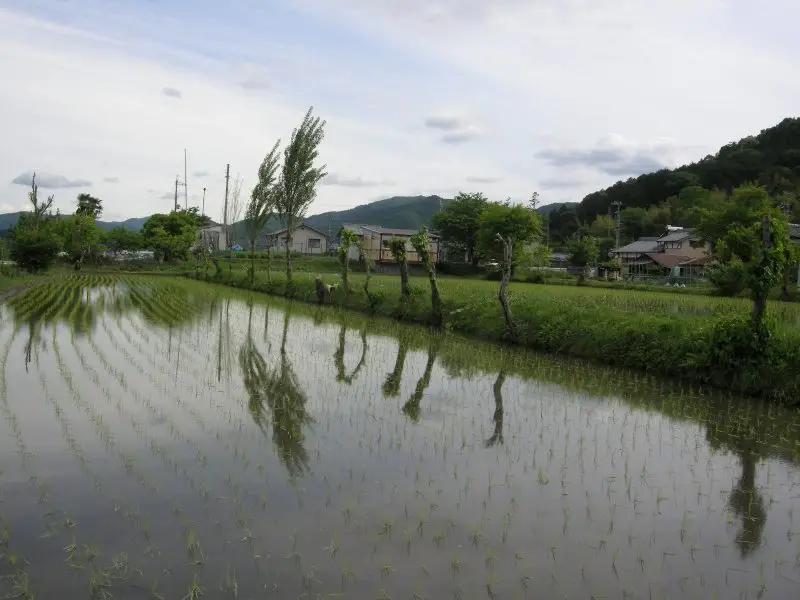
385,243
314,243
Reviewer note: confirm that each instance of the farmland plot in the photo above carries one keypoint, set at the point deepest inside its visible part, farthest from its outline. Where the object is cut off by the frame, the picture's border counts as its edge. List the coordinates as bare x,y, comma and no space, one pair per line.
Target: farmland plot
165,439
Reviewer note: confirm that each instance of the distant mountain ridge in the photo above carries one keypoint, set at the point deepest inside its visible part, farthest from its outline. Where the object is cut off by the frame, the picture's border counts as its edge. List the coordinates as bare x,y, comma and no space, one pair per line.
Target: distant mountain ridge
397,212
8,220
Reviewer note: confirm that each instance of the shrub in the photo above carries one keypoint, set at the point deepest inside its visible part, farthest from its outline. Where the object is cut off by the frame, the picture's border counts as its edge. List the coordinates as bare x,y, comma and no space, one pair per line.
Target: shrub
34,248
535,277
729,279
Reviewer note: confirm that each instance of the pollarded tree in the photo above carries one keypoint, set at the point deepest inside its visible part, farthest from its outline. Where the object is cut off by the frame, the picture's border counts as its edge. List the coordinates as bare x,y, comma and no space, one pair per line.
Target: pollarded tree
299,179
504,227
347,239
397,246
263,201
421,243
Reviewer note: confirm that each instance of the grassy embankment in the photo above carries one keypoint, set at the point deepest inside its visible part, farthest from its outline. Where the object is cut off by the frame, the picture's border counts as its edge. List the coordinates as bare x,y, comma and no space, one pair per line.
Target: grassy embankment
699,338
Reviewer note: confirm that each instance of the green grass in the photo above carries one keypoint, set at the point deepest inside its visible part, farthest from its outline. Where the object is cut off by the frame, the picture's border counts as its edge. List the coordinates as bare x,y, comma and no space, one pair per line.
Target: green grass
696,337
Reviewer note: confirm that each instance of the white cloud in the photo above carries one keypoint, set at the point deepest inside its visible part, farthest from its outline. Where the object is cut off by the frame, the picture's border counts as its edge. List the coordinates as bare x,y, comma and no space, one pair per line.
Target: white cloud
9,208
536,86
355,182
172,93
49,180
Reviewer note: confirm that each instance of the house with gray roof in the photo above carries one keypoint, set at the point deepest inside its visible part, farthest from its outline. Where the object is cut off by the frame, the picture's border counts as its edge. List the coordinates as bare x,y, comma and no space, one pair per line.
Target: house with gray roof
375,240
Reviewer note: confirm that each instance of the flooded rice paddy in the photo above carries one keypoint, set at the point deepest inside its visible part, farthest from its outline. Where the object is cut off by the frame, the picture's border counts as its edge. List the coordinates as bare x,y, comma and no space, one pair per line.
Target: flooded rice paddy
167,439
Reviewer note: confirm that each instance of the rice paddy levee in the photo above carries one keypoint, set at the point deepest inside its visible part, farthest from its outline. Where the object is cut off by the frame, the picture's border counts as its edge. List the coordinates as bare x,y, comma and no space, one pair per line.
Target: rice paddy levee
703,339
166,438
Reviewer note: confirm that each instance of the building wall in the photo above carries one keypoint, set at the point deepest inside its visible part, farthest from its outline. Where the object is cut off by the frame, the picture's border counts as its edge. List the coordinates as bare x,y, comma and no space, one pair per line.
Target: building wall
214,235
684,248
376,245
304,241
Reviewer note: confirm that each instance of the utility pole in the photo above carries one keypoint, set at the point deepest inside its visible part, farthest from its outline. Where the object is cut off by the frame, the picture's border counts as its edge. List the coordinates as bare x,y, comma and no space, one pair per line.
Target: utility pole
175,208
225,209
203,210
185,183
618,205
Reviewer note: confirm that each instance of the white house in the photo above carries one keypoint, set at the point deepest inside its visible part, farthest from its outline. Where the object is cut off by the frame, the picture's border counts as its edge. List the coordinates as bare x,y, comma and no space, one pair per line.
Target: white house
305,240
213,235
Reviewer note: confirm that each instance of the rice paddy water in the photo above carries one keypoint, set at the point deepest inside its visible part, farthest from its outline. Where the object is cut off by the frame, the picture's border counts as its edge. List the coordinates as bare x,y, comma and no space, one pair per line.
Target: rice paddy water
170,439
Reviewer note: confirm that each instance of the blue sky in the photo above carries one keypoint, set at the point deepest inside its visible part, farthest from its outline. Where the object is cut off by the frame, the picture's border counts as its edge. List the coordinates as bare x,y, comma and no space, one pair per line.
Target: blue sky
558,96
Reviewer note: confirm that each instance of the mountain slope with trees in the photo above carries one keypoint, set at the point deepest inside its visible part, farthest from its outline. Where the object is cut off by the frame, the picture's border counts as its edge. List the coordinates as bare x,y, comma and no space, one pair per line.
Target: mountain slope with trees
770,159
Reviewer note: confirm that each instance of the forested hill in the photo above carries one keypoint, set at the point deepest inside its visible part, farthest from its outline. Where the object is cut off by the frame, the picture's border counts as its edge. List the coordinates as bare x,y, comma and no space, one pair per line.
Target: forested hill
771,158
401,212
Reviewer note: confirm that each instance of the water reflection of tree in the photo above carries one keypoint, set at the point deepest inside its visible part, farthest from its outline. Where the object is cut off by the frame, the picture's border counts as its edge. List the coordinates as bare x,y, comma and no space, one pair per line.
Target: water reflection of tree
412,407
338,356
276,391
747,503
391,386
499,412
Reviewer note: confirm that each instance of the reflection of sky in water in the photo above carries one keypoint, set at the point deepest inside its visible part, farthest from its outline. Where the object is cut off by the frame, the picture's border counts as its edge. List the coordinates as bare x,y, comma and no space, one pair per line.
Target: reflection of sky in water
143,435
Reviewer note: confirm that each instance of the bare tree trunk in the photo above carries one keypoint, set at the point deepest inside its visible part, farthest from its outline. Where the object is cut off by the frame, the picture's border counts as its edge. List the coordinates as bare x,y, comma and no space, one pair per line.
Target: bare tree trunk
405,290
508,255
288,261
436,298
252,262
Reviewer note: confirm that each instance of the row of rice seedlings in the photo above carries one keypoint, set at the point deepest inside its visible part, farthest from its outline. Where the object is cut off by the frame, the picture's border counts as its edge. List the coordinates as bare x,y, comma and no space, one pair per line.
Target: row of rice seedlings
158,450
200,488
236,451
197,374
80,557
194,548
100,579
75,449
242,519
151,300
17,581
237,488
31,310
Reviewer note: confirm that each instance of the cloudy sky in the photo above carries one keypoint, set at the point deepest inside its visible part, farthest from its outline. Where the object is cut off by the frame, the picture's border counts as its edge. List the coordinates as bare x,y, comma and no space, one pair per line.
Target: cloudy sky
420,96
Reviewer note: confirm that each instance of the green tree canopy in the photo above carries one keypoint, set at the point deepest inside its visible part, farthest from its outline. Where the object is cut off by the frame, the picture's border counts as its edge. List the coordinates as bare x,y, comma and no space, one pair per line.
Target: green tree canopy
79,236
514,222
121,239
736,233
170,235
89,206
458,223
583,251
297,186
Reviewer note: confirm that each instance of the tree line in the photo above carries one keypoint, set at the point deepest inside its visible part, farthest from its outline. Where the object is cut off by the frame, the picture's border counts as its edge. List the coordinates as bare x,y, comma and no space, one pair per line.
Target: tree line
40,236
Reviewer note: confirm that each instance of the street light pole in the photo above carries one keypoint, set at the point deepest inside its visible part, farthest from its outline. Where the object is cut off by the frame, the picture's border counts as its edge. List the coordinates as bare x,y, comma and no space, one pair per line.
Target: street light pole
203,212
